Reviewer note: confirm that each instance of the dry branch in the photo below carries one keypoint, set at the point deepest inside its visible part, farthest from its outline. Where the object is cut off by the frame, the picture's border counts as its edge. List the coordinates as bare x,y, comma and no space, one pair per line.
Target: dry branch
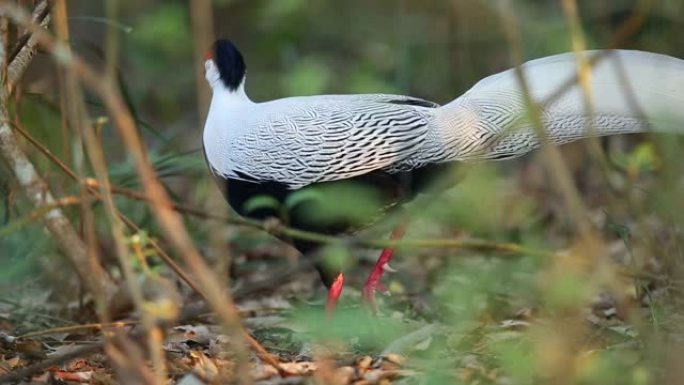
170,221
203,33
23,52
38,193
36,215
79,352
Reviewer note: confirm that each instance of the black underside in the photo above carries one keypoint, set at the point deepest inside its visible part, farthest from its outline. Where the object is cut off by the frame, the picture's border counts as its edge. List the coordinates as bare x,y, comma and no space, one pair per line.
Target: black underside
384,189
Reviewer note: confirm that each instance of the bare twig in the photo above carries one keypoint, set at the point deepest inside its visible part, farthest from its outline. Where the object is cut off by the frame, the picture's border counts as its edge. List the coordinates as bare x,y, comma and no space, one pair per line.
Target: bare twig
23,51
112,39
85,137
80,352
36,215
203,33
628,29
94,188
76,328
167,218
128,359
584,74
557,169
37,191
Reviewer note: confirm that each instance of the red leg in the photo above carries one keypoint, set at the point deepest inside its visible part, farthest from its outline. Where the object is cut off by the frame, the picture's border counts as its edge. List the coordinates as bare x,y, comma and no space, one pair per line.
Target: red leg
334,294
373,282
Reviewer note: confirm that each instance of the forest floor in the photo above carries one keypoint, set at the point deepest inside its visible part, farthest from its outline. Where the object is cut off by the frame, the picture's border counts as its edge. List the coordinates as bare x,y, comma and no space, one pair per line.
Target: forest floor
281,305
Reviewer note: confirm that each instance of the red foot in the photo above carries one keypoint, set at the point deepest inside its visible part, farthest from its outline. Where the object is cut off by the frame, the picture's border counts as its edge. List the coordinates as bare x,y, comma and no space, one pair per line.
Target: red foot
334,294
373,282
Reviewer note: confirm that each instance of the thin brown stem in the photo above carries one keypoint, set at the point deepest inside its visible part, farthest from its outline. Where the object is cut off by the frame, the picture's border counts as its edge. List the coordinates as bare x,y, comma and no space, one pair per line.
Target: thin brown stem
23,51
36,215
557,169
37,191
77,328
80,353
203,33
168,219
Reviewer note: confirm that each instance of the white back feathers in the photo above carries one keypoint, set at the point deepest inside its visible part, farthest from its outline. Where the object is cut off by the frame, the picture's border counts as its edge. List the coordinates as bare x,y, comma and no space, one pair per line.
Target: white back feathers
630,91
303,140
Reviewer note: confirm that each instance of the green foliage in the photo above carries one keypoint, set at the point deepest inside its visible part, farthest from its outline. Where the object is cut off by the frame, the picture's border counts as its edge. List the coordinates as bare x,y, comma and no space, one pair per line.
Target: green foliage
568,290
302,197
309,77
484,203
159,45
164,31
642,159
365,82
346,202
336,258
261,202
352,324
517,357
22,259
474,286
278,10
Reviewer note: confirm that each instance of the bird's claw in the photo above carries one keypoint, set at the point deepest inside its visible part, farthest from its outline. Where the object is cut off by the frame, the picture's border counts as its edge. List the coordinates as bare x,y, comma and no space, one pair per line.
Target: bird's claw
388,269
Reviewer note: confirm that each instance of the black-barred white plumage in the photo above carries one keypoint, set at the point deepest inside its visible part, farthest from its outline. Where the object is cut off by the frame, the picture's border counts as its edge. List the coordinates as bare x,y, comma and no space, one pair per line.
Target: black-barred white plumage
392,142
305,140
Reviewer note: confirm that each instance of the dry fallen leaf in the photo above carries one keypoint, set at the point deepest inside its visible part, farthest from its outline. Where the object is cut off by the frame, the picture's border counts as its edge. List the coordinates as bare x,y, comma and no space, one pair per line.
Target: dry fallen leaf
7,366
31,349
203,366
345,374
364,363
73,376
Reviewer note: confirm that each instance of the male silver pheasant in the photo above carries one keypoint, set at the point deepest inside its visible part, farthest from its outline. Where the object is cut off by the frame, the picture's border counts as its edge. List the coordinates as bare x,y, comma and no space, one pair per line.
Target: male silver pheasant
391,144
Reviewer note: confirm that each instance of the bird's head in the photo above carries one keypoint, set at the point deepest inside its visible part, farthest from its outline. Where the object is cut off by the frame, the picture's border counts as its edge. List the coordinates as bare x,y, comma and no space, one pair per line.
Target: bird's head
224,66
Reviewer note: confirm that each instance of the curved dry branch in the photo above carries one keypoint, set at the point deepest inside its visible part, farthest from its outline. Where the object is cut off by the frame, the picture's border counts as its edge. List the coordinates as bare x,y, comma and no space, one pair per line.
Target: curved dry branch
37,191
22,54
168,219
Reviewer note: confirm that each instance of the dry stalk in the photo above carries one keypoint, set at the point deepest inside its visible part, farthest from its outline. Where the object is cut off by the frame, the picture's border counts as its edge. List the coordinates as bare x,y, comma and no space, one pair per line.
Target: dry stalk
203,33
38,192
84,137
36,215
557,169
168,219
23,53
78,328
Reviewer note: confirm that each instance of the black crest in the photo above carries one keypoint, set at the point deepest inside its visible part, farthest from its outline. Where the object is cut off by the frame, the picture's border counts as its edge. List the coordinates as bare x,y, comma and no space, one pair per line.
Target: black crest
230,64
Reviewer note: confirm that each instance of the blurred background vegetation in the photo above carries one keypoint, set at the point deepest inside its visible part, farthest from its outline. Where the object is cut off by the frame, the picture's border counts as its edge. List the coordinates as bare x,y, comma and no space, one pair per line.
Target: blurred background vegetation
498,319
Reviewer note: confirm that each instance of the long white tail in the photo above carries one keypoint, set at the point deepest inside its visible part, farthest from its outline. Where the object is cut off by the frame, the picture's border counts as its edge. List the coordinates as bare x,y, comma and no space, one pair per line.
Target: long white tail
630,91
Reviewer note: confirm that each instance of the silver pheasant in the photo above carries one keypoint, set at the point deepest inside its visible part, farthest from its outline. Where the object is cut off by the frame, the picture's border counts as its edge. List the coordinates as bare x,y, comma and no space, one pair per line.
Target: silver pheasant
280,146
